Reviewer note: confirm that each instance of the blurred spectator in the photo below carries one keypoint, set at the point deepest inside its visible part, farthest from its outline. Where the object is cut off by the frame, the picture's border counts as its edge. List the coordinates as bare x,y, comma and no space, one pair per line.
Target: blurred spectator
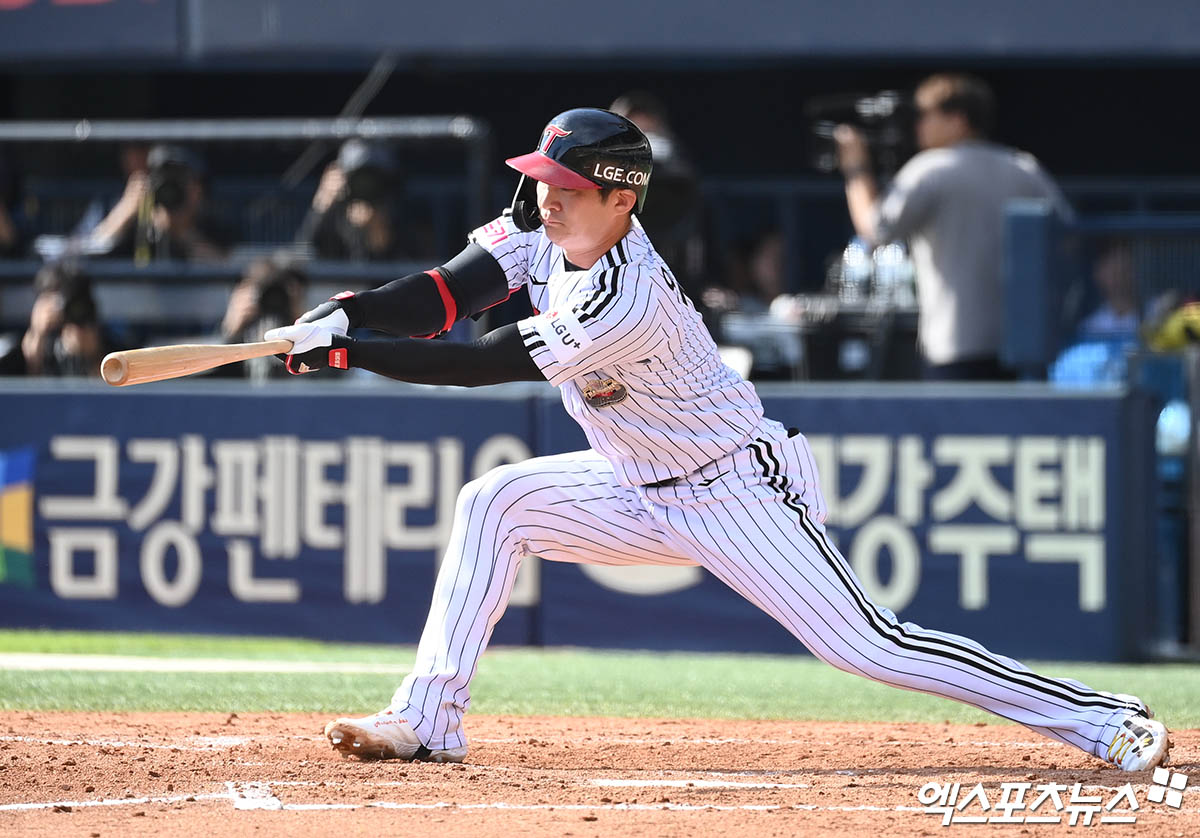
165,213
64,337
106,223
757,276
1105,338
355,212
949,201
270,294
674,214
755,313
12,240
1117,316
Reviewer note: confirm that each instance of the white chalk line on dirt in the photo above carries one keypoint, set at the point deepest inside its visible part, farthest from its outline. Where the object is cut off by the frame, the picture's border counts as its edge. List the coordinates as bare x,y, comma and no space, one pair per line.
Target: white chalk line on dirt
249,796
115,801
43,662
259,796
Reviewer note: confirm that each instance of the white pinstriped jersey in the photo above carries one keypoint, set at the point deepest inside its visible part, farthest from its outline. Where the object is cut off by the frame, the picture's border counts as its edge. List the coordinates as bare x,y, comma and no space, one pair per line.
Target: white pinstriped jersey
635,365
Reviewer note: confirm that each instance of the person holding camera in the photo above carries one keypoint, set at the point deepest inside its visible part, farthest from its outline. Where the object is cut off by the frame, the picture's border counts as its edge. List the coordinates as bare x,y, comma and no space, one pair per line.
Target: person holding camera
269,295
64,336
164,212
355,214
948,201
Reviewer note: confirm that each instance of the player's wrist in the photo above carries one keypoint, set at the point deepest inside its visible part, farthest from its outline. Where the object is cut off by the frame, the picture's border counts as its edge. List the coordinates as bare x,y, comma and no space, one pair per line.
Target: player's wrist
336,355
348,302
341,353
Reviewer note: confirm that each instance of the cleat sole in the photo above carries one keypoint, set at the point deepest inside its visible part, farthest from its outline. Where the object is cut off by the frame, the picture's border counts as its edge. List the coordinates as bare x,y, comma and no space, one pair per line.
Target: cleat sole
352,742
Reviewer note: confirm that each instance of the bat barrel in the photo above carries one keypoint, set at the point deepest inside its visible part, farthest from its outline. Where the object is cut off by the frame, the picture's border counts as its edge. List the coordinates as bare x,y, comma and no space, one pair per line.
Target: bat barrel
114,369
156,363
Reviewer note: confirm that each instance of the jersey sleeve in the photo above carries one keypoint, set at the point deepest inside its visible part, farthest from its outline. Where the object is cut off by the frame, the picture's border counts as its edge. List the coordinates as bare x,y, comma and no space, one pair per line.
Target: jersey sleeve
1045,186
511,248
612,318
910,200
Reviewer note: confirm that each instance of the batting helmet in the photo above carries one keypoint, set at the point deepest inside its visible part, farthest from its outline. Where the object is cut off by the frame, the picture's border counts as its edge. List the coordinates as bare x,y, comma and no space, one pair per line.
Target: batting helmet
583,148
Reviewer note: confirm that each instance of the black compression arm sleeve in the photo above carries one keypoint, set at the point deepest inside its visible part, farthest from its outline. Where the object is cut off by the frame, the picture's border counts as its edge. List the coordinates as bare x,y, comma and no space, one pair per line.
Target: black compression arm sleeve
415,305
496,357
407,306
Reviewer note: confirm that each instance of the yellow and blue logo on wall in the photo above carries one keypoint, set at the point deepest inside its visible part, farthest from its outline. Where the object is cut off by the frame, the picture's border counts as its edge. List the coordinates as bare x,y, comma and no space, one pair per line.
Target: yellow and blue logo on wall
16,517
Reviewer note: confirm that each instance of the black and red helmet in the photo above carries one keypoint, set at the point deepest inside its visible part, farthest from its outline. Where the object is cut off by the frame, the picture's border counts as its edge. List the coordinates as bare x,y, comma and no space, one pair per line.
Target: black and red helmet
583,148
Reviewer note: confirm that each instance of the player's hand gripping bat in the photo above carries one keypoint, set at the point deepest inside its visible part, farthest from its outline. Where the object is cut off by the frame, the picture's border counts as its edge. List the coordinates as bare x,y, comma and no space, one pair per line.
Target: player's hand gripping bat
155,363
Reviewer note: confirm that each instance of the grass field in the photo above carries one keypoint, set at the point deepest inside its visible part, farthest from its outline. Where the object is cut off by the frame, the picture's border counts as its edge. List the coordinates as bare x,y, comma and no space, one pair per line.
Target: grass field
558,682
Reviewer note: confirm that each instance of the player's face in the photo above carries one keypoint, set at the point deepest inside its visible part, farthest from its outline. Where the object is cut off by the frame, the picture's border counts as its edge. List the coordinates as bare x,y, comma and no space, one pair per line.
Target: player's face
580,219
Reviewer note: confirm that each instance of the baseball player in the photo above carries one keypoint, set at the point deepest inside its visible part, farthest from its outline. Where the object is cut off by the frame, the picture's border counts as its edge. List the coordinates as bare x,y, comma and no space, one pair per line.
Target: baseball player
683,468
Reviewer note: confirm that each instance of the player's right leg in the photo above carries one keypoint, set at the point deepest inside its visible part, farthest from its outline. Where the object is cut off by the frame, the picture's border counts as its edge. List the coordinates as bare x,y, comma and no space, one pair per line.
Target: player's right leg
567,507
758,528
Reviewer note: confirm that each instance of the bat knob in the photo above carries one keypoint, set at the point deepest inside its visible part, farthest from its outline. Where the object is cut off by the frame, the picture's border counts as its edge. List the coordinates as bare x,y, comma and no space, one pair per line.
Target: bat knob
114,369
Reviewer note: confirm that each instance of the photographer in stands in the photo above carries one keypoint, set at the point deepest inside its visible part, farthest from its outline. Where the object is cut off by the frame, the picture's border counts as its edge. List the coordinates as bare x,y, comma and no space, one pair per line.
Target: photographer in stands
165,213
64,337
355,211
948,201
269,295
103,223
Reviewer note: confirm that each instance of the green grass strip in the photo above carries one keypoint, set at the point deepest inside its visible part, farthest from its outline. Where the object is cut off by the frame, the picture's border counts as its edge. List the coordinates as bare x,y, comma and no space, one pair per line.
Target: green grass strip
525,681
198,646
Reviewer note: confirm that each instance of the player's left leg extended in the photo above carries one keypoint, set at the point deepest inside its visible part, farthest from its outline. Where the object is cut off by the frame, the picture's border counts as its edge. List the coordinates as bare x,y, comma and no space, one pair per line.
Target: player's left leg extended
563,508
759,529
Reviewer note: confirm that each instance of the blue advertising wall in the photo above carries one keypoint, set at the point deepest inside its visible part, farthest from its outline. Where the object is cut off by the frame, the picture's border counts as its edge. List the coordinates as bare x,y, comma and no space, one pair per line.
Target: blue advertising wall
1020,518
290,514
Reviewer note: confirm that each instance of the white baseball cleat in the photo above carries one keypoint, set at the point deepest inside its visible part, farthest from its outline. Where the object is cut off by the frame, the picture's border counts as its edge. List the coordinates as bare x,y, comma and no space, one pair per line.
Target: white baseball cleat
1133,699
385,735
1139,744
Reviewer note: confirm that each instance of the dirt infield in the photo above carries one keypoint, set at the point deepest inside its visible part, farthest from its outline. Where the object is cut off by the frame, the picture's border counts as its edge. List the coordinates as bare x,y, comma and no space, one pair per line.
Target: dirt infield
107,774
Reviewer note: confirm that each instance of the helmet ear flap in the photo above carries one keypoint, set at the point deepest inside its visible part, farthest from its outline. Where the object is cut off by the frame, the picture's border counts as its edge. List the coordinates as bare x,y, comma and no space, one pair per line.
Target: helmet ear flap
524,210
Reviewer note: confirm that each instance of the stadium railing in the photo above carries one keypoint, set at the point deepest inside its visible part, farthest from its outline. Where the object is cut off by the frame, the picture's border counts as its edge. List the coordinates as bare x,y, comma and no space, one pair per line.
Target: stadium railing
267,210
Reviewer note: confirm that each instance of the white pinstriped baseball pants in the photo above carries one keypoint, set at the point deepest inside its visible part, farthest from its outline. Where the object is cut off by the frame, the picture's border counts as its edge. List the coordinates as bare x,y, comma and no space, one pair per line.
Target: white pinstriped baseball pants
757,527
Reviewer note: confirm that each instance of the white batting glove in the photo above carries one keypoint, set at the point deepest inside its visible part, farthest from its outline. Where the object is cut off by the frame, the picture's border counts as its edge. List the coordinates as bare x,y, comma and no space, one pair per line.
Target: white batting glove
314,335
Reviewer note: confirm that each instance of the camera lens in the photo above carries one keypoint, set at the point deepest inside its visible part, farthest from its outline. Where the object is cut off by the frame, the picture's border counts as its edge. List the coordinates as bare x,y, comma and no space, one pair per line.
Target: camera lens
367,184
170,194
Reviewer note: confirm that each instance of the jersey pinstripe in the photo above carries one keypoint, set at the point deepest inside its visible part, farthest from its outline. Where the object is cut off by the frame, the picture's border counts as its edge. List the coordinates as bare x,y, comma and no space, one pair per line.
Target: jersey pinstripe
750,519
632,359
638,371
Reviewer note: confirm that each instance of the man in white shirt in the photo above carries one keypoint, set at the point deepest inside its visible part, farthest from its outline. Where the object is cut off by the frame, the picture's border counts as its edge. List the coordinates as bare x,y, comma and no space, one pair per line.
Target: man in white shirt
948,202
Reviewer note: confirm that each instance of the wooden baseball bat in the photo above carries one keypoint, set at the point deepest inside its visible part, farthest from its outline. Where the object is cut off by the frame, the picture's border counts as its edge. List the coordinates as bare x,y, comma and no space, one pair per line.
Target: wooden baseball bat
155,363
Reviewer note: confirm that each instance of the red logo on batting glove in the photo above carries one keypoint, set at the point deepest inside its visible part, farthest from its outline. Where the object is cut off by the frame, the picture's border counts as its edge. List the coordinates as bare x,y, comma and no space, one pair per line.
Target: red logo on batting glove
338,359
344,295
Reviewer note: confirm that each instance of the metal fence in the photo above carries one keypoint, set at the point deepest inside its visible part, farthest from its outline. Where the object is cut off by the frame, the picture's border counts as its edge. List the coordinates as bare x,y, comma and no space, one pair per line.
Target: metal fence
266,210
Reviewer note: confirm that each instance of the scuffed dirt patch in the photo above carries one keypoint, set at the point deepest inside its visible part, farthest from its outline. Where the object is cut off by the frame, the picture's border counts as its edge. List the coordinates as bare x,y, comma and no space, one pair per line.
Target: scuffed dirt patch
175,774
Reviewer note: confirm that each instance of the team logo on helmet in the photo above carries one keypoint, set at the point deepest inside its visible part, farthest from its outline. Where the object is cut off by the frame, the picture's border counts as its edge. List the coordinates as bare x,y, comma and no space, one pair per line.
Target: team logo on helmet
553,132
